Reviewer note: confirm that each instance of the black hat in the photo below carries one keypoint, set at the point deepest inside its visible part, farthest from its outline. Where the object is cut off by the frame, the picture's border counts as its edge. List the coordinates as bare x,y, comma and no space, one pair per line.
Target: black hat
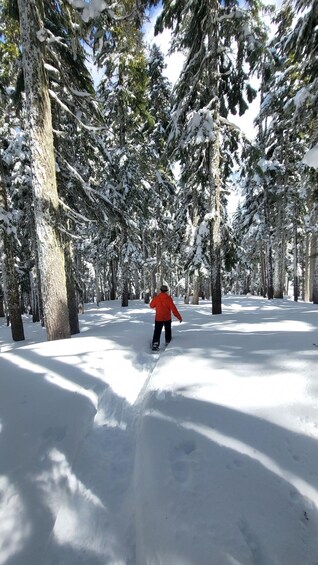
164,288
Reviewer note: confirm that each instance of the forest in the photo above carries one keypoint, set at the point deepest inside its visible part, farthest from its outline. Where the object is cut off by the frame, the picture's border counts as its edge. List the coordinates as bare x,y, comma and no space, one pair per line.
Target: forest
109,190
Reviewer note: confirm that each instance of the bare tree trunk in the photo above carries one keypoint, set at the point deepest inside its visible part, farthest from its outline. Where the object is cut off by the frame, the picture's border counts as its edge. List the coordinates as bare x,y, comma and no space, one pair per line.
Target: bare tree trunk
315,271
279,263
270,285
295,266
153,282
124,271
315,259
214,179
45,196
125,290
309,264
263,271
196,288
35,299
1,302
159,271
279,272
71,291
113,277
186,289
213,157
13,298
97,287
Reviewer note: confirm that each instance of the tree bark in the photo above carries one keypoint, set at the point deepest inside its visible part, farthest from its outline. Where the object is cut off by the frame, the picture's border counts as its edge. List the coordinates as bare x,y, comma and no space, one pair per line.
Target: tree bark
45,196
315,259
308,267
295,262
213,157
124,270
279,261
186,289
71,290
13,298
214,179
315,270
196,288
1,302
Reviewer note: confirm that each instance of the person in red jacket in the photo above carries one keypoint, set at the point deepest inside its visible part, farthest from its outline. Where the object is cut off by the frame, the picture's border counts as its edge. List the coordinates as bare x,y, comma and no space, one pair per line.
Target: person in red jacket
164,305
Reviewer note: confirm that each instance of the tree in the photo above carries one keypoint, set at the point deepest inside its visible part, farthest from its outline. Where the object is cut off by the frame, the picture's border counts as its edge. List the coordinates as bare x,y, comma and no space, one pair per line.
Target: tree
129,166
12,288
212,84
8,54
46,205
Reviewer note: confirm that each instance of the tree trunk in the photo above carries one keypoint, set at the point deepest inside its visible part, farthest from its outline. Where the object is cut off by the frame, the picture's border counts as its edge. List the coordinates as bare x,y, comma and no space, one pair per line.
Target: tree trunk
113,278
279,262
186,289
263,271
97,276
196,288
159,271
213,157
71,291
270,285
315,271
308,267
1,302
279,271
13,298
35,305
125,290
213,169
46,207
295,266
124,271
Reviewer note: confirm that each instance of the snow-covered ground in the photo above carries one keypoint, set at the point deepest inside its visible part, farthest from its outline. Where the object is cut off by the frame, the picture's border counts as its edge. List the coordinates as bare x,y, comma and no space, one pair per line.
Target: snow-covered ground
203,454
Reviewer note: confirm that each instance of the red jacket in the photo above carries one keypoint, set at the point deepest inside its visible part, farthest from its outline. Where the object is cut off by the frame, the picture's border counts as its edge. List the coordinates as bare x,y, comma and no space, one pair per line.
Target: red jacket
164,306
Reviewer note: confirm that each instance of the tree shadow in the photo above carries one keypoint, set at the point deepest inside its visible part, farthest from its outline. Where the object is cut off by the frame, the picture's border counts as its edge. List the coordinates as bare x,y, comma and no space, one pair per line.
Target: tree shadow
61,468
74,479
227,487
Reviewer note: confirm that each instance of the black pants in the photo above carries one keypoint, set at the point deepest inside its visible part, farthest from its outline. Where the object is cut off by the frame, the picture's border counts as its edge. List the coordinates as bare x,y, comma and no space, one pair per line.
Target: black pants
158,329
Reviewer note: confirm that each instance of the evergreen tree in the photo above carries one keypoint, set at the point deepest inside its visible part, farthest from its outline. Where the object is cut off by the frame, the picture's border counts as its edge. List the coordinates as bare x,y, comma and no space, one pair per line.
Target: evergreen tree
159,228
8,245
212,84
11,281
46,206
279,147
128,169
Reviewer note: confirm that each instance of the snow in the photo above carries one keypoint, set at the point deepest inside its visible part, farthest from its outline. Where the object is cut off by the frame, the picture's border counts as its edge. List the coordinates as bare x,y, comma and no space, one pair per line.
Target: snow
203,454
311,157
91,9
302,96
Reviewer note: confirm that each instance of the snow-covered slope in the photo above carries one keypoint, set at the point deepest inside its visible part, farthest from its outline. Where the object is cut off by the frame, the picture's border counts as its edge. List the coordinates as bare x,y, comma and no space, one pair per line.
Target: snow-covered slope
205,454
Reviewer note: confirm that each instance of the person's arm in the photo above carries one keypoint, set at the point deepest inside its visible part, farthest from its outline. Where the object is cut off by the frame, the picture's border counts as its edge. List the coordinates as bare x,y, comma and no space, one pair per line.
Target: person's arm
153,302
175,311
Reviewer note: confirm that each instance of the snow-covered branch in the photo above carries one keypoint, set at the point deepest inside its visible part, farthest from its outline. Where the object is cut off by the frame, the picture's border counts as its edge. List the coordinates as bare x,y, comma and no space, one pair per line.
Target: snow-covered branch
311,157
66,108
93,9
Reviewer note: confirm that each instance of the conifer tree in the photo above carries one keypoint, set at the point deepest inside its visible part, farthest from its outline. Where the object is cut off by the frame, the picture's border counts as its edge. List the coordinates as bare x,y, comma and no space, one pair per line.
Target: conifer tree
160,230
11,281
46,206
282,134
8,244
123,93
213,83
